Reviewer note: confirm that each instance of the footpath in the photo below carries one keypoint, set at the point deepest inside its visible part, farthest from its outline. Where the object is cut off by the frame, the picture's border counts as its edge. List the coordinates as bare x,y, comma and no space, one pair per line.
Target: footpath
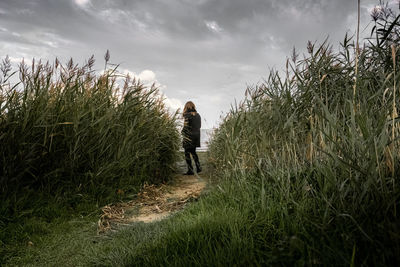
153,202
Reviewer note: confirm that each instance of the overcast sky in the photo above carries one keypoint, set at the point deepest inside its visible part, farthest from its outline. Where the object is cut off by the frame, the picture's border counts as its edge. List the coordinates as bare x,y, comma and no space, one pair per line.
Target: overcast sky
206,51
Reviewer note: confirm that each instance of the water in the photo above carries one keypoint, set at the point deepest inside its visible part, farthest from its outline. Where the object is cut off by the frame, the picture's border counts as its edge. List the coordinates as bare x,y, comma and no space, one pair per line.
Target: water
205,135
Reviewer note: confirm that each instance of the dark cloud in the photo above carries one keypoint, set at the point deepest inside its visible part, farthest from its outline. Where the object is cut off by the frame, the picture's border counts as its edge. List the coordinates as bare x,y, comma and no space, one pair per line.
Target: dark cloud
205,50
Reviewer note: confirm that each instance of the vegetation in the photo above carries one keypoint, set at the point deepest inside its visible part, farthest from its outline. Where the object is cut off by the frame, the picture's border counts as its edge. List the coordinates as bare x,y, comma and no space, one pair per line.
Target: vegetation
306,173
317,153
72,139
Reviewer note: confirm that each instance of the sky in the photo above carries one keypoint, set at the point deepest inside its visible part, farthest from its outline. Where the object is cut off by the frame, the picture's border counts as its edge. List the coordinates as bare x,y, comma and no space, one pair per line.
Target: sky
206,51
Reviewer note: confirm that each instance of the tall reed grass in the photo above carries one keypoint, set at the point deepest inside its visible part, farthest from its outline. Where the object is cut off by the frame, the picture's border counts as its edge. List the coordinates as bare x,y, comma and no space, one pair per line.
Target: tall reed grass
66,130
320,147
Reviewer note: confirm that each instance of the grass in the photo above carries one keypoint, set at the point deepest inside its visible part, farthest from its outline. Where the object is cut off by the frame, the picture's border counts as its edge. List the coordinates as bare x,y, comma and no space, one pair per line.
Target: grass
62,241
208,232
170,242
74,241
320,148
73,140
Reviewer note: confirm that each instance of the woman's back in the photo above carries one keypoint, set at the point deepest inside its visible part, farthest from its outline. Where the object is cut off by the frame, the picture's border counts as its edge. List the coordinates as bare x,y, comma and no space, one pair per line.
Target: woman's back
191,129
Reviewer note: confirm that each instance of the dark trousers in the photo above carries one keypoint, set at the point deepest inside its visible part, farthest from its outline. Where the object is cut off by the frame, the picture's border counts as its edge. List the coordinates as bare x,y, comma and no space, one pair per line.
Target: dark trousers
188,151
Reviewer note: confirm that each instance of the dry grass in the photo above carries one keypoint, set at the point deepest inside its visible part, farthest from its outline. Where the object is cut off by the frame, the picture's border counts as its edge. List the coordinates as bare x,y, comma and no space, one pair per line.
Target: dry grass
152,203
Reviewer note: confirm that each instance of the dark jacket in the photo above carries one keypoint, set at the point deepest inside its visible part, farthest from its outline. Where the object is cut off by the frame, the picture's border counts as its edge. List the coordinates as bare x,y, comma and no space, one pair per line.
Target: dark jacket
191,130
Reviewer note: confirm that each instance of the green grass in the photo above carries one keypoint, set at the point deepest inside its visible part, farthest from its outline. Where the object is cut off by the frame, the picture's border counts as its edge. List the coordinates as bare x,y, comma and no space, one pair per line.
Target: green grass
318,153
62,241
73,140
220,229
197,235
74,241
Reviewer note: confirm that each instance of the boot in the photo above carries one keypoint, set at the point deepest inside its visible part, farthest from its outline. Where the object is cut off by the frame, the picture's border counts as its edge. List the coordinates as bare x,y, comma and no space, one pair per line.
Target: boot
198,169
190,168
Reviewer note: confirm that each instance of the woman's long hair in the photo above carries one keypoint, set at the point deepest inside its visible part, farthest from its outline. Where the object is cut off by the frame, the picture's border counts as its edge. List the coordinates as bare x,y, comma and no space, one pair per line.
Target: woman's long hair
189,107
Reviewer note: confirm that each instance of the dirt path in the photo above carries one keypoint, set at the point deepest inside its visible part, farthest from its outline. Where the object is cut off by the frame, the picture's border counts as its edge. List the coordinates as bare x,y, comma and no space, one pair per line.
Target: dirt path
153,202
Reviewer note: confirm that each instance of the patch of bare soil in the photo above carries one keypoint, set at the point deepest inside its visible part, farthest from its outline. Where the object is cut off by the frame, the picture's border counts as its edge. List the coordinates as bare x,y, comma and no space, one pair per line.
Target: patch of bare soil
154,202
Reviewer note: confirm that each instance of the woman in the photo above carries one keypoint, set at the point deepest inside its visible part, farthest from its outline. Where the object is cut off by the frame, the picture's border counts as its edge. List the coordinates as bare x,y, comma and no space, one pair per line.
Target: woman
191,135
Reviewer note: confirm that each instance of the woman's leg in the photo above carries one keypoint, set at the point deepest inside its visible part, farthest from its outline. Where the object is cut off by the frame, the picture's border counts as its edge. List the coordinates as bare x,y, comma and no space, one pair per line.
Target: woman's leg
188,161
196,160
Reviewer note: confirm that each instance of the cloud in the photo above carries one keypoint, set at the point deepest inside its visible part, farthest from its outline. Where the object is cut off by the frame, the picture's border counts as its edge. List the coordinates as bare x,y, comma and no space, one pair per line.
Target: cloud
213,26
173,104
82,3
25,12
16,60
173,43
147,76
112,15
